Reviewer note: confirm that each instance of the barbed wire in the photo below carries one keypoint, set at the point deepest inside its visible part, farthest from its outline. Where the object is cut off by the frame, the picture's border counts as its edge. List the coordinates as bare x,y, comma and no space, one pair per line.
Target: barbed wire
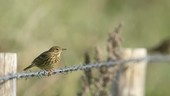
154,58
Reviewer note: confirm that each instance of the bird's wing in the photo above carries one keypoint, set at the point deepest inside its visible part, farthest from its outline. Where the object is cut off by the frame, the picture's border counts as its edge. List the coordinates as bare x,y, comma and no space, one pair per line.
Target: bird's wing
41,58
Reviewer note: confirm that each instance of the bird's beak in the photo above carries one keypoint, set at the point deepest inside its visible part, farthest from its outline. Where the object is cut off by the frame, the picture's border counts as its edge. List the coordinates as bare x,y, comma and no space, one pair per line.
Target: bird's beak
64,49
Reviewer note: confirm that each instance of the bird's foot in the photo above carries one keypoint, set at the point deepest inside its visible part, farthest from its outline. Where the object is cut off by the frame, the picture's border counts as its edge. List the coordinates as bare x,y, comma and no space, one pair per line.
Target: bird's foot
50,72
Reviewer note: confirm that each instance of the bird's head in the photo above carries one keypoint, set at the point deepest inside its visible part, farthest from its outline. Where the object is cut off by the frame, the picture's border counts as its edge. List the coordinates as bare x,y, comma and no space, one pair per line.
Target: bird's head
57,50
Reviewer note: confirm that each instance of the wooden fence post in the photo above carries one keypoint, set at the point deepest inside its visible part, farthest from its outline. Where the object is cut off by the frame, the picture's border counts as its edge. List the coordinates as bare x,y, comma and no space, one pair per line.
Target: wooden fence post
131,80
8,65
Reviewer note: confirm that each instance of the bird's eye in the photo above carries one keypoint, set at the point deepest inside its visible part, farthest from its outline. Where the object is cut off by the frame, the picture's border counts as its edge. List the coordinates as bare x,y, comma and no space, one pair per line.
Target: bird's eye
57,49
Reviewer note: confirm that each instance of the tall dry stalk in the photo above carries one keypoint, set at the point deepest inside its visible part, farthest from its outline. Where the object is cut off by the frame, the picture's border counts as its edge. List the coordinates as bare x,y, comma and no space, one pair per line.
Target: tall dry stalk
99,82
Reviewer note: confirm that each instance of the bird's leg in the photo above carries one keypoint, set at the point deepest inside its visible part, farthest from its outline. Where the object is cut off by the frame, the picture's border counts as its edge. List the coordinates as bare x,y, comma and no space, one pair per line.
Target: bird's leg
50,72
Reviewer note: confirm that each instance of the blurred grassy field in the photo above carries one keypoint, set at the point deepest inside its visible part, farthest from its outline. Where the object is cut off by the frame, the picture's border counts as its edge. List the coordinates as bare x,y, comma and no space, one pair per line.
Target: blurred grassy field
30,27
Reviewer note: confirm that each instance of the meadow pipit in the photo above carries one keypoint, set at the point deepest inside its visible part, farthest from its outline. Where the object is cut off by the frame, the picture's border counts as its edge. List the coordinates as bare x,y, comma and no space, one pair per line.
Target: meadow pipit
47,59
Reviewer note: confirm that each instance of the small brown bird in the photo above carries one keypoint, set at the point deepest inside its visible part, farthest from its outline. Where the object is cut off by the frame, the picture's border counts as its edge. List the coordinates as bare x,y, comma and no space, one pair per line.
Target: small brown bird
47,59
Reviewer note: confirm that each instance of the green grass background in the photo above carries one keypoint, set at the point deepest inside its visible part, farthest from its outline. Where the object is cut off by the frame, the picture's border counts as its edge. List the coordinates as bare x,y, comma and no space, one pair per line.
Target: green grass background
29,27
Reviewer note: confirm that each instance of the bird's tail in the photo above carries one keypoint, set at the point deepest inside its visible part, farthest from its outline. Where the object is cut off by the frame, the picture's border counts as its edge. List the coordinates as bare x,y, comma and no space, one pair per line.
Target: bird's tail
28,67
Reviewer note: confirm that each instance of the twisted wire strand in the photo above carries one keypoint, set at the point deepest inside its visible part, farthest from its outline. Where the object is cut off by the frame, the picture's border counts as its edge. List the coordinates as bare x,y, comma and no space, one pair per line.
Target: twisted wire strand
154,58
